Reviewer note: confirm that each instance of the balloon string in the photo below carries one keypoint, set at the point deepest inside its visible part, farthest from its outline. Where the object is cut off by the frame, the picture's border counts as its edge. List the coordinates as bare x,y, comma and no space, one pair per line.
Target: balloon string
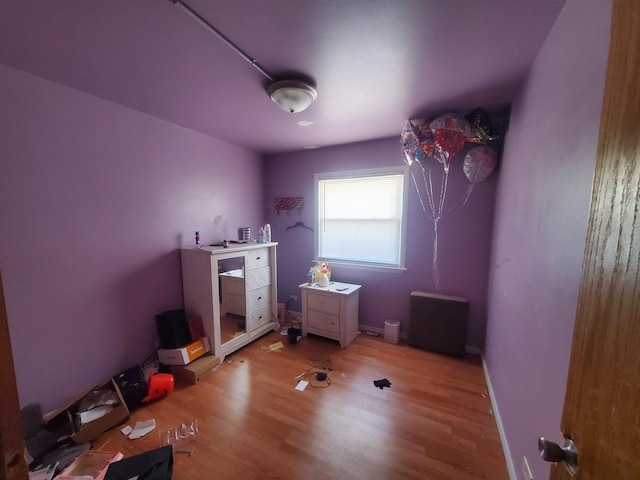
435,268
443,191
419,195
429,192
436,211
462,201
468,194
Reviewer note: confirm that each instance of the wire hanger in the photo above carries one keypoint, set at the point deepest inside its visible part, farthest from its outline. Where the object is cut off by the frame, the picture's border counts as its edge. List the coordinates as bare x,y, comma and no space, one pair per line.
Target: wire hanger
299,224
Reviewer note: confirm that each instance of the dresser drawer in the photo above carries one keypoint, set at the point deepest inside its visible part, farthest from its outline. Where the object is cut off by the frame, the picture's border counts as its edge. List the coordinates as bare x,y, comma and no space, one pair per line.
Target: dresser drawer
257,258
324,303
259,297
257,318
258,277
323,321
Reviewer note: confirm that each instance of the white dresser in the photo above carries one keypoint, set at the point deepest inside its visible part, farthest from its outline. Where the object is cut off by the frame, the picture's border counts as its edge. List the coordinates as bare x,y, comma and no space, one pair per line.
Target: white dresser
233,290
331,312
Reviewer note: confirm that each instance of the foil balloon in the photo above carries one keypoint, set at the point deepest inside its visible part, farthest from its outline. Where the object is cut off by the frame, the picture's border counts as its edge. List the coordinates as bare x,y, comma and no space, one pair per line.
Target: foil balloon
479,162
482,130
450,132
409,143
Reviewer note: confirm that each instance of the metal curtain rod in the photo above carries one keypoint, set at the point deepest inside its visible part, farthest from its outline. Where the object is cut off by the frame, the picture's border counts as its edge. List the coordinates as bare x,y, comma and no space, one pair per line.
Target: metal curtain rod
221,36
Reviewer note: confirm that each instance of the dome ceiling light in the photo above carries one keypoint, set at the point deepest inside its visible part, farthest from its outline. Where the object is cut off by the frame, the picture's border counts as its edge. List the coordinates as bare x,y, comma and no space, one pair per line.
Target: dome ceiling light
290,95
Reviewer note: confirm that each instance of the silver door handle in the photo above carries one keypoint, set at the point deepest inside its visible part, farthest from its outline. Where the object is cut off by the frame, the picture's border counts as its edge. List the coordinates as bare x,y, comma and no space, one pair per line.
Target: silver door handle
552,452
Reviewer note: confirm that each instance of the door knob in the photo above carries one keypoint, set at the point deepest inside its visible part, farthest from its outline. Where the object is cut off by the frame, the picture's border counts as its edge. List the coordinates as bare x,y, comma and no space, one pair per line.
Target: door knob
552,452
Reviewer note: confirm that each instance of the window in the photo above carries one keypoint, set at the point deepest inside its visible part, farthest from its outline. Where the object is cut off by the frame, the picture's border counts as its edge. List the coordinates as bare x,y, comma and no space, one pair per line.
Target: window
361,217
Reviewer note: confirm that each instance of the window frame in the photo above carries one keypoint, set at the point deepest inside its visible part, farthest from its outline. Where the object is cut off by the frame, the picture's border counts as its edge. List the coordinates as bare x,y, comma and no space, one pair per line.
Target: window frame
363,173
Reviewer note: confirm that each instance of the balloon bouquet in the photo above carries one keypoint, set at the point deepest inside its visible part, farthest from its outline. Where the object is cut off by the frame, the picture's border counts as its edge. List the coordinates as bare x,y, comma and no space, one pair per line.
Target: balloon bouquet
441,139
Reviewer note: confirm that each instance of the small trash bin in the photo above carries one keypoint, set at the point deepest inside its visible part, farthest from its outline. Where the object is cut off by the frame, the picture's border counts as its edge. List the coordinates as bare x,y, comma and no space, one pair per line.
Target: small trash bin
391,331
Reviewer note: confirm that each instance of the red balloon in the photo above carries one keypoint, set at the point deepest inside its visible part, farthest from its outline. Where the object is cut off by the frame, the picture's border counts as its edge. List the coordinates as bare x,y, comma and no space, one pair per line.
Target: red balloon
450,132
451,141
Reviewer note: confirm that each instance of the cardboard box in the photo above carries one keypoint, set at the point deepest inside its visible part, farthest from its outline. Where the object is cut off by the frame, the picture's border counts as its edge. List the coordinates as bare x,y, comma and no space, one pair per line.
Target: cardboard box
85,433
196,370
184,355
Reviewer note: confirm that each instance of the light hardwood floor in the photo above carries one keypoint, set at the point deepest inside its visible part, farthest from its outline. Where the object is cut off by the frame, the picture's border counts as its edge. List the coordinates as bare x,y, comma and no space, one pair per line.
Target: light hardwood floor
434,422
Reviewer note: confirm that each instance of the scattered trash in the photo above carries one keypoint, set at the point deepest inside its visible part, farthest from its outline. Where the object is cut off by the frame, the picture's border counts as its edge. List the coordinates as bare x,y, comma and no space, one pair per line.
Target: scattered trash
90,464
274,347
180,436
382,383
185,450
139,430
45,473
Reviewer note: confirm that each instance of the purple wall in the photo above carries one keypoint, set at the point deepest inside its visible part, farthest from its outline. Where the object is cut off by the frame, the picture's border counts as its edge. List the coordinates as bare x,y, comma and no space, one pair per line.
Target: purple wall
464,235
95,200
542,209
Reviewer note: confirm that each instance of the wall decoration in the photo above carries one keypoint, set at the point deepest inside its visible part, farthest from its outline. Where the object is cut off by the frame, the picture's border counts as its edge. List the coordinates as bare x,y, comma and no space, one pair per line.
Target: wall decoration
289,203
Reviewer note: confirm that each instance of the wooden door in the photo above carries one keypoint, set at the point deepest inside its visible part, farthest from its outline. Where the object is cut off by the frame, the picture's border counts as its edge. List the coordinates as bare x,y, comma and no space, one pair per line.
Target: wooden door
602,404
11,445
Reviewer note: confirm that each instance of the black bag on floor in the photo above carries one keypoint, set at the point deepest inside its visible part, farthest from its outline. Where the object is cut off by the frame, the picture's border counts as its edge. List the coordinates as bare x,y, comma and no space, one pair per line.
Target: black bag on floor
152,465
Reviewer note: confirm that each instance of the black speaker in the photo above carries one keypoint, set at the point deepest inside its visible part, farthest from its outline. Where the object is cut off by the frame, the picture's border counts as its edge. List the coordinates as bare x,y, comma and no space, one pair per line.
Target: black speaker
173,329
133,386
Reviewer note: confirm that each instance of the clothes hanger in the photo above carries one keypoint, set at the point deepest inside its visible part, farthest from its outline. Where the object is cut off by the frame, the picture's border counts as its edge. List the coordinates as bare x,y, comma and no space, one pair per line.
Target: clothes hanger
299,224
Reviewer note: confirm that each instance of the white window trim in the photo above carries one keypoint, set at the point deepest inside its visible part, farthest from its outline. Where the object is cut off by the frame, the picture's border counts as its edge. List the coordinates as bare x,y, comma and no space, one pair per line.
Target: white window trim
394,170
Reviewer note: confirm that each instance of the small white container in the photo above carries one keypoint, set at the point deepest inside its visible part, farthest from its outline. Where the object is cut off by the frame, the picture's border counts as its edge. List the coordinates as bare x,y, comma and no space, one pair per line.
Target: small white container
391,331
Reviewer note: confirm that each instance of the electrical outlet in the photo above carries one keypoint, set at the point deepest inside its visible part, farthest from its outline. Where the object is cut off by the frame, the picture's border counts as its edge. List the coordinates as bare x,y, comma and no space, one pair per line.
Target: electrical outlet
293,297
526,470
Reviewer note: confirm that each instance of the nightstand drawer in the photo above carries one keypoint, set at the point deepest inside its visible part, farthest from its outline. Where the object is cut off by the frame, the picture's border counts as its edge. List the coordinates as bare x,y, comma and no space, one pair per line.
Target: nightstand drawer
232,303
232,284
324,303
323,321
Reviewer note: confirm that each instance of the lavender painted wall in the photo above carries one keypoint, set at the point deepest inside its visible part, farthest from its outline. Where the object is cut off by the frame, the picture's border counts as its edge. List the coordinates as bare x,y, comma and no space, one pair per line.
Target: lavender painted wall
464,238
95,201
542,212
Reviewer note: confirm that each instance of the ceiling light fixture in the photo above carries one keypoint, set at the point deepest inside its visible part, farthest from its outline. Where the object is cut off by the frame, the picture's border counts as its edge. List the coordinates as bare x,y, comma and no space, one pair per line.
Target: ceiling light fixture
290,95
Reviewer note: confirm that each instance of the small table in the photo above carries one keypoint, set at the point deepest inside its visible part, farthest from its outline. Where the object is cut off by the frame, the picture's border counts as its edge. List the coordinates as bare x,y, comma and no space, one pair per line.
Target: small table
331,312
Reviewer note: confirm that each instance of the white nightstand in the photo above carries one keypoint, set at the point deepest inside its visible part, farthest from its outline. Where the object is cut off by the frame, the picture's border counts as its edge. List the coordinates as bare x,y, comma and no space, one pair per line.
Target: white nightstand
331,312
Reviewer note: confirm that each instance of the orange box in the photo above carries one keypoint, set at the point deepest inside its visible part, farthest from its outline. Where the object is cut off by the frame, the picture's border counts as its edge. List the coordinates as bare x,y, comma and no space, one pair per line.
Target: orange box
184,355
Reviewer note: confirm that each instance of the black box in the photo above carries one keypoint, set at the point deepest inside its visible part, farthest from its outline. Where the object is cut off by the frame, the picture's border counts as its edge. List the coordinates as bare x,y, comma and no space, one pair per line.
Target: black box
173,329
133,386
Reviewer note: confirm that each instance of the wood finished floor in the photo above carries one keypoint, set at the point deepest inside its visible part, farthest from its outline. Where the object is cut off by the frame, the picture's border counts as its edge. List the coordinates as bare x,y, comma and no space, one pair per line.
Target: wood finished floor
434,422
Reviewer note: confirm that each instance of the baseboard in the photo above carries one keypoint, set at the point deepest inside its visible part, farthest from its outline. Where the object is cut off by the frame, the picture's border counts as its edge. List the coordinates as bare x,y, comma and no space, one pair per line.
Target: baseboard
496,413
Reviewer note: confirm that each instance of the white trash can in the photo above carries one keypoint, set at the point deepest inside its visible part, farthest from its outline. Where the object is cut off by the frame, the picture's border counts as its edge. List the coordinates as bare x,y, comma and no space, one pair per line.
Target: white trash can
391,331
